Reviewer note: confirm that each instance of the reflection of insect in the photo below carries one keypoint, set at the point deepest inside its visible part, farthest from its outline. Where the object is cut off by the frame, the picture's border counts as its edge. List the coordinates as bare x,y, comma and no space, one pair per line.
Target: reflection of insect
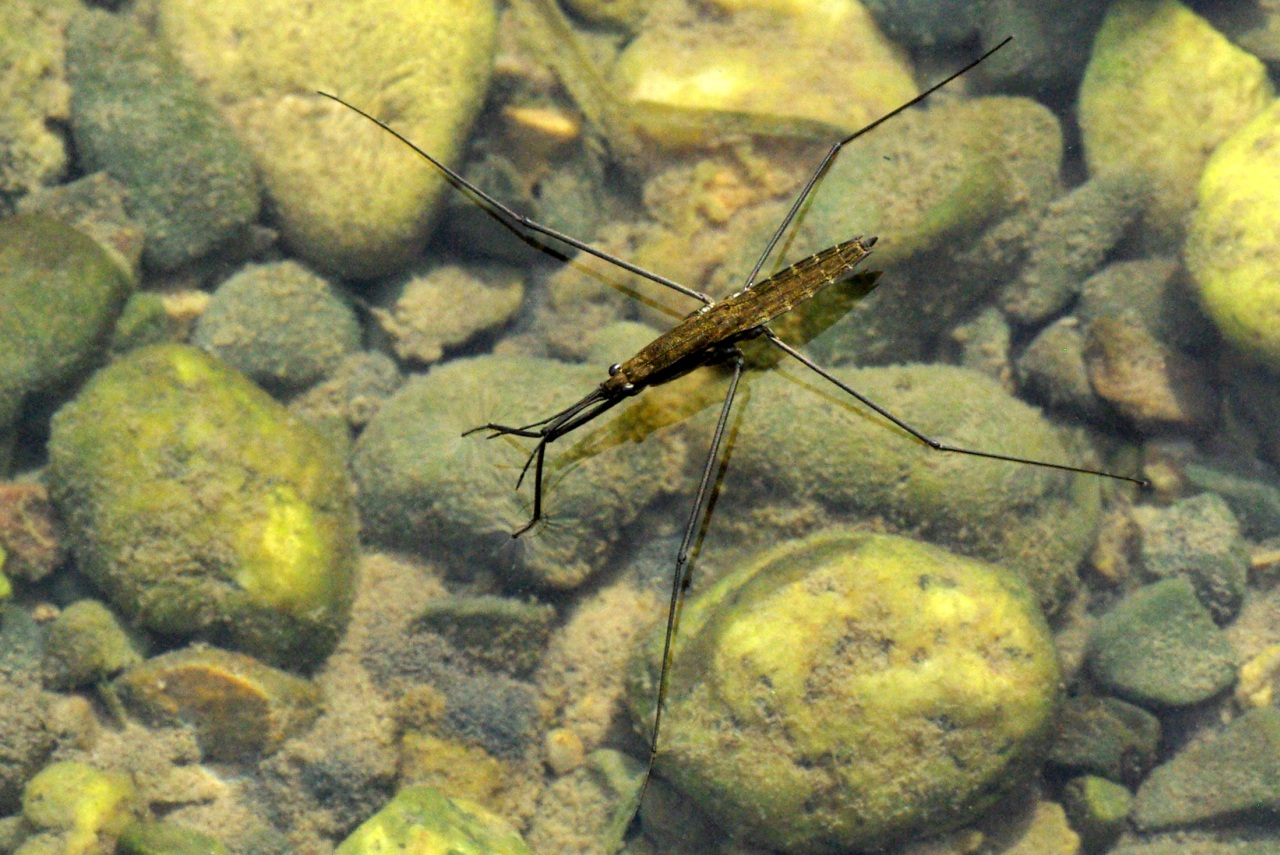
708,336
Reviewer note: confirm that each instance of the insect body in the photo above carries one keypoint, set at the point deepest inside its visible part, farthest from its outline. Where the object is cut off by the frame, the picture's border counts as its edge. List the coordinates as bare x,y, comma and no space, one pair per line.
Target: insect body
707,336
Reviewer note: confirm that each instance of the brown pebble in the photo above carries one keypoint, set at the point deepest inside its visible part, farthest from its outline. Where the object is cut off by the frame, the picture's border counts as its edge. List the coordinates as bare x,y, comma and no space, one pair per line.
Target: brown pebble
28,533
237,706
1151,384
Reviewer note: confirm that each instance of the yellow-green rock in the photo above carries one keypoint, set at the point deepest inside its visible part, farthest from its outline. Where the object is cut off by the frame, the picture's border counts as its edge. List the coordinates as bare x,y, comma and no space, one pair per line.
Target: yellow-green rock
687,64
348,197
87,806
1233,247
204,508
422,821
850,691
37,98
1163,88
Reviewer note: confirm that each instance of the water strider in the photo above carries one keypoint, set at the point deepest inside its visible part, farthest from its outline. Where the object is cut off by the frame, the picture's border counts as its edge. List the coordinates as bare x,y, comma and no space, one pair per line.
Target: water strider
710,335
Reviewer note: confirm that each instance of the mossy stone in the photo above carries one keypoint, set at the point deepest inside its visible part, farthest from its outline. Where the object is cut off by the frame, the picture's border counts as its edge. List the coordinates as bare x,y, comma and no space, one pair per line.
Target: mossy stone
86,645
851,691
165,838
933,185
280,324
1098,810
1233,247
136,113
347,197
1138,116
59,296
1105,737
1160,647
143,321
204,508
32,153
423,821
1217,779
237,706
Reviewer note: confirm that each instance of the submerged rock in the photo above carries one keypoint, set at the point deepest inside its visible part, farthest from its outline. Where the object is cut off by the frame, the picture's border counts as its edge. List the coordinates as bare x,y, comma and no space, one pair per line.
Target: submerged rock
423,821
87,645
86,807
424,485
850,691
138,115
37,100
1160,647
816,459
59,297
237,706
347,197
164,838
279,323
204,508
689,67
1219,778
1233,248
1139,118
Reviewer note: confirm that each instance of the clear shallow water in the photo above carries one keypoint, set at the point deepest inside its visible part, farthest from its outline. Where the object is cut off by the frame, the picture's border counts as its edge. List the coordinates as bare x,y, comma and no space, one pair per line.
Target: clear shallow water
705,195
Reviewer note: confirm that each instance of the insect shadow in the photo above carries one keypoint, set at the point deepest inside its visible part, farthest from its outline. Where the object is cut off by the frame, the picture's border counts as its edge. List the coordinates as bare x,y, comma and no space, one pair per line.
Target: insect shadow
710,335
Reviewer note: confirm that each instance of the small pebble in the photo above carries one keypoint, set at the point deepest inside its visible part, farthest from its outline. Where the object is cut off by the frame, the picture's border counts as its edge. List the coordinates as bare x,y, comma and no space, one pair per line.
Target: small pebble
564,750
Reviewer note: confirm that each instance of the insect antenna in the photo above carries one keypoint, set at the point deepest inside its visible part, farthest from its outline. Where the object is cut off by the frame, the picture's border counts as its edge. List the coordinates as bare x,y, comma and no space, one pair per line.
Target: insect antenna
835,149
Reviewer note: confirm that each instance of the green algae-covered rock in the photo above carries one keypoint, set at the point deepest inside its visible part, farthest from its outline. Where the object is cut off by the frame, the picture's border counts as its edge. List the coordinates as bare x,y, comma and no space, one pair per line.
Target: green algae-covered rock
1159,646
87,806
1098,810
1217,779
32,153
1105,737
933,185
939,175
1233,247
423,821
422,484
136,114
348,197
279,323
59,296
688,68
204,508
849,691
1140,118
816,459
165,838
86,645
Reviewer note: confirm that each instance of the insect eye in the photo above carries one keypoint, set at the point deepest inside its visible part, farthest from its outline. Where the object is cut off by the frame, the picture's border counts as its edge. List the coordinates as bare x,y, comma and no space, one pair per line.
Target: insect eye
629,388
615,368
